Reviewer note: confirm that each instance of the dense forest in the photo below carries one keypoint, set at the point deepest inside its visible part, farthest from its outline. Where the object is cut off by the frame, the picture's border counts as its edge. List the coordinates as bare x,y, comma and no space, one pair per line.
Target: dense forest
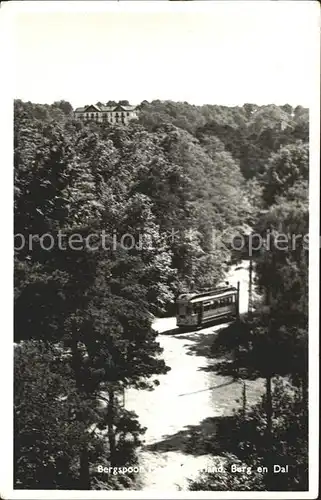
163,191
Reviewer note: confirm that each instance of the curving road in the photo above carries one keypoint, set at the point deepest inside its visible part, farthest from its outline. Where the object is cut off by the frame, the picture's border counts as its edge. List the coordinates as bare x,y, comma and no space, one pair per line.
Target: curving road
186,396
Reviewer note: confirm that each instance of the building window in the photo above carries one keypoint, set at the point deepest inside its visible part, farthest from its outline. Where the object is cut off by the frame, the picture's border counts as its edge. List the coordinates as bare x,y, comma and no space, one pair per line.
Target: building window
127,113
92,115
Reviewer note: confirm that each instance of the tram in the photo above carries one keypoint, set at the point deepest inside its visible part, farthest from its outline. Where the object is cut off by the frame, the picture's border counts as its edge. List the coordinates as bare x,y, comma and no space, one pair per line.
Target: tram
198,309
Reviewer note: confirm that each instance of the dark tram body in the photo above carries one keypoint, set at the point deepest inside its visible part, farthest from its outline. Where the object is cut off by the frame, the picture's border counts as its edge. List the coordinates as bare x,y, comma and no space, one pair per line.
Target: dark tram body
198,309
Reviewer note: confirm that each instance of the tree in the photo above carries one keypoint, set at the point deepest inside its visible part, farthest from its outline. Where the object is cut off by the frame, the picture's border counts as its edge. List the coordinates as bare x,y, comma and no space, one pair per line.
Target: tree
65,106
250,109
242,437
48,431
285,168
282,274
58,305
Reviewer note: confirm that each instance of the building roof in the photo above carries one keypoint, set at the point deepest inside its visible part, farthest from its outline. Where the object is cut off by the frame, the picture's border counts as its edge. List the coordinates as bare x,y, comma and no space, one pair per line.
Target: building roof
118,107
91,107
108,108
128,108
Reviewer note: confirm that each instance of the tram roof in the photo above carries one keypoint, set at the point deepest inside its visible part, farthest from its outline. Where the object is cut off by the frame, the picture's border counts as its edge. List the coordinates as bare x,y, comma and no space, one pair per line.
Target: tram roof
213,296
209,294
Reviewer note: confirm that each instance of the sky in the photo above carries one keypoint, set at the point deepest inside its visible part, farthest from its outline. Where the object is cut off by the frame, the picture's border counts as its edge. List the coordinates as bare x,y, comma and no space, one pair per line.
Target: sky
201,52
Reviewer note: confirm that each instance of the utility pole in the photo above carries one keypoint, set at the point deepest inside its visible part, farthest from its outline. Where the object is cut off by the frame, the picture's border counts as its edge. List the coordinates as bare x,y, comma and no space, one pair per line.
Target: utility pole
244,399
236,348
250,305
238,301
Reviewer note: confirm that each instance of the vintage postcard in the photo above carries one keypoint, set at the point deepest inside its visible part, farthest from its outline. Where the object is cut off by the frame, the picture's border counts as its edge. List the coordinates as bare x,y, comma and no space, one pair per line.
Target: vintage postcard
164,209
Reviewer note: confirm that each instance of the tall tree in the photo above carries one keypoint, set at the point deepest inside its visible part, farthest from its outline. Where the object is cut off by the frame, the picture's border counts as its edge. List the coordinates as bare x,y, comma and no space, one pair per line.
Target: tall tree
285,168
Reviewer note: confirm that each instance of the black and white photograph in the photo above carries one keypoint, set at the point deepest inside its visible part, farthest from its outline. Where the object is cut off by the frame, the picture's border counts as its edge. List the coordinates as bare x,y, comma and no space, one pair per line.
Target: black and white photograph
163,186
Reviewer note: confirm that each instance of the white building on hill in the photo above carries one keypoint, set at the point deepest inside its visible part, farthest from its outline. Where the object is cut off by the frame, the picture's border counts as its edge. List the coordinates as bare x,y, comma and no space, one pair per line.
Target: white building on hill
112,114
